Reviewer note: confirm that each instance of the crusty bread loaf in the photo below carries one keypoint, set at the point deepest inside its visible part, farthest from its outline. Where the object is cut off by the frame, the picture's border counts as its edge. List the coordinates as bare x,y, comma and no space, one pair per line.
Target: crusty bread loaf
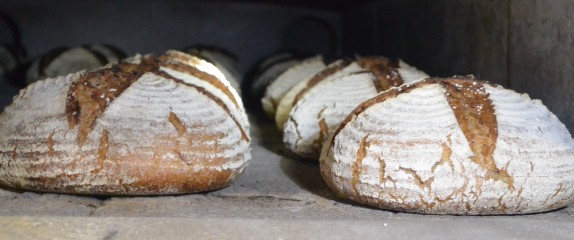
128,129
291,77
452,146
323,105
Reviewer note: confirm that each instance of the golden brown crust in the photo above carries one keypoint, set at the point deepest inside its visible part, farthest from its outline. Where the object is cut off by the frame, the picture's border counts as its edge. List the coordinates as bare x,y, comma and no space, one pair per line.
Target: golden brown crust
475,115
156,177
177,124
356,167
384,70
102,151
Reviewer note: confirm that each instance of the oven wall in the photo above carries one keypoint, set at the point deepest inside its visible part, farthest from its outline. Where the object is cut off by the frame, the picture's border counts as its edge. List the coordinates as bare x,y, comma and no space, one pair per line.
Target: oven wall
542,53
527,45
523,44
250,30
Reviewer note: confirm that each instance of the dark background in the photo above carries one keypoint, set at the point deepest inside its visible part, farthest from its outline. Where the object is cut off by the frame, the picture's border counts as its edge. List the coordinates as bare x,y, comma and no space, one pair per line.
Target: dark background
527,45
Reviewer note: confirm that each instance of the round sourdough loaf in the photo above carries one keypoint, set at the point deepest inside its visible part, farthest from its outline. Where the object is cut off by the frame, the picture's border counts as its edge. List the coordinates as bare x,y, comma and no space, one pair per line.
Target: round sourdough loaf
324,103
126,129
452,146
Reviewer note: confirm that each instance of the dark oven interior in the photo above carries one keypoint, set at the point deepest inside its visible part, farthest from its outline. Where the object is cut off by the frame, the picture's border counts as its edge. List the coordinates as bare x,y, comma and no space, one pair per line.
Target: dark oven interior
524,45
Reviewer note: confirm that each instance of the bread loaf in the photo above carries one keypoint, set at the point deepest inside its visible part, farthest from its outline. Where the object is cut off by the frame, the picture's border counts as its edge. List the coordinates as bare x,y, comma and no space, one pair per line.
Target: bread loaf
322,106
452,146
128,129
281,85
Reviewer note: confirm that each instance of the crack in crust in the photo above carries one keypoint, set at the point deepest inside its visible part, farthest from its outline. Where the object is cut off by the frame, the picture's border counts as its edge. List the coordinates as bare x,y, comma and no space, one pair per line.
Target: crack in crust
382,172
356,167
50,143
417,179
182,158
520,199
15,151
445,157
102,151
177,124
454,193
559,190
323,128
475,115
501,205
296,131
384,70
428,205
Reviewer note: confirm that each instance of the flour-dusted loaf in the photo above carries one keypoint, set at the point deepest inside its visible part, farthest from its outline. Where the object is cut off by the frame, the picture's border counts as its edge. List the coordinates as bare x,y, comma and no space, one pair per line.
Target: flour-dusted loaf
323,105
127,129
452,146
291,77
